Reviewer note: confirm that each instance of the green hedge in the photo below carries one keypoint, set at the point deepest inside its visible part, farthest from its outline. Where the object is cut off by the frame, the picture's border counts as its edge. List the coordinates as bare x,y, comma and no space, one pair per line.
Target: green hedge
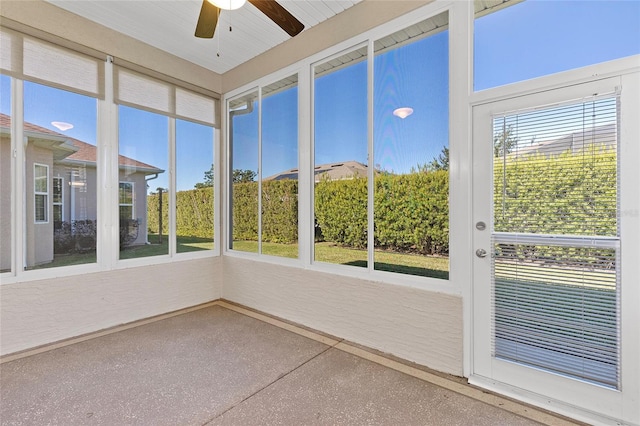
341,211
565,194
245,211
194,215
279,211
547,195
412,211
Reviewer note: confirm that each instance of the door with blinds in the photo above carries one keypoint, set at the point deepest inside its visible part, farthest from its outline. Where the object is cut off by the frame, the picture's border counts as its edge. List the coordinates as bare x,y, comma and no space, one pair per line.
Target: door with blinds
547,243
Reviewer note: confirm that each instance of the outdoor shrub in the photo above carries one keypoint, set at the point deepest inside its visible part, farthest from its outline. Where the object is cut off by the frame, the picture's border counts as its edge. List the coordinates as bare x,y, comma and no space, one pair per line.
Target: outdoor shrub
548,195
245,211
76,236
63,241
280,211
128,231
563,194
341,211
411,212
194,213
84,232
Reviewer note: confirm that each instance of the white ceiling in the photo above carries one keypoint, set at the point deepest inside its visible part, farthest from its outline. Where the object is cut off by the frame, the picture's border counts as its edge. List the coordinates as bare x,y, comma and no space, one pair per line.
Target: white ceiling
169,25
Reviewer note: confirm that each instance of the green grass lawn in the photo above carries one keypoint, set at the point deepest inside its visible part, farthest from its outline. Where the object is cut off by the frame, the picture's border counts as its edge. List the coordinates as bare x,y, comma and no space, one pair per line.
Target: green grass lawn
426,266
68,260
185,244
411,264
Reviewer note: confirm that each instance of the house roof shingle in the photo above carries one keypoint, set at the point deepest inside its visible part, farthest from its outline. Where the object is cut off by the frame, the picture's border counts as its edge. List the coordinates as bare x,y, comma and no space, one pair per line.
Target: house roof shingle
85,153
331,171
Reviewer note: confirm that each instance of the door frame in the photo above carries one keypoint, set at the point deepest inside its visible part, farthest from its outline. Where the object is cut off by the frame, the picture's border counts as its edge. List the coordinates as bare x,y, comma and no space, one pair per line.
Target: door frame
595,403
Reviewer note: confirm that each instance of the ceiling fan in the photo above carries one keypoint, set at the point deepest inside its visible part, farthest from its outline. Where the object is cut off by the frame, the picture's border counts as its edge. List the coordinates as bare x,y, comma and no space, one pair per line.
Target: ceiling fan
208,19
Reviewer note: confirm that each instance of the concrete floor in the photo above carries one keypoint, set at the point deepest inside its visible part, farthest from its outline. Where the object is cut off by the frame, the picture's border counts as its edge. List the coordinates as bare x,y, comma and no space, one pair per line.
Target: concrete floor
215,366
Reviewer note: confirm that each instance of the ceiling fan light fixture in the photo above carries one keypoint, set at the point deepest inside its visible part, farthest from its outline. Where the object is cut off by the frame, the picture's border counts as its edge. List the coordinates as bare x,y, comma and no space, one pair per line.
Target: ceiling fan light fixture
403,112
228,4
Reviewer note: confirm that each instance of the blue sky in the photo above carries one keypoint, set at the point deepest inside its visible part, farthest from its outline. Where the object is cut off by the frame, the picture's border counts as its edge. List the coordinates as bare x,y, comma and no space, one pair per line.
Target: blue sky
520,42
535,38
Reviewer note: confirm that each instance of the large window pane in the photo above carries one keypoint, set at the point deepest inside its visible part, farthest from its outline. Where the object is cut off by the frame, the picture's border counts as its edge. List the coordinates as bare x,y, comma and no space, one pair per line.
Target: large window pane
340,156
143,184
280,168
195,166
411,150
6,222
243,141
60,177
535,38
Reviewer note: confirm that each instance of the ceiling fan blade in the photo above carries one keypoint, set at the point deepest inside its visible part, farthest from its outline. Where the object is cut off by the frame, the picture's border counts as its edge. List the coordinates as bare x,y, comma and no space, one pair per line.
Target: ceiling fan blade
279,15
207,21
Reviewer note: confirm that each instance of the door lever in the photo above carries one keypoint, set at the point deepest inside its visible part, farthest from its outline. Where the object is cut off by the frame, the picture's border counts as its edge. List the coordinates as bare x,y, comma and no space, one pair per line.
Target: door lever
481,253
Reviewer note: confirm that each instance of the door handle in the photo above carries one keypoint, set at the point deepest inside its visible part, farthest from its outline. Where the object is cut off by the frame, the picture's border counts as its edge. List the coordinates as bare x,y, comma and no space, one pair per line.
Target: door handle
481,253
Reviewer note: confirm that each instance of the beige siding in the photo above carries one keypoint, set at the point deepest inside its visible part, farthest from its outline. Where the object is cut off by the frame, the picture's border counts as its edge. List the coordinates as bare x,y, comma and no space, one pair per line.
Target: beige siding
84,207
5,203
139,202
39,242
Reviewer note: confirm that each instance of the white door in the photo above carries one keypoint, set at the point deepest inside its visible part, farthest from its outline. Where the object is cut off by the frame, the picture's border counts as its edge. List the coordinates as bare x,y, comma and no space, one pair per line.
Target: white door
547,304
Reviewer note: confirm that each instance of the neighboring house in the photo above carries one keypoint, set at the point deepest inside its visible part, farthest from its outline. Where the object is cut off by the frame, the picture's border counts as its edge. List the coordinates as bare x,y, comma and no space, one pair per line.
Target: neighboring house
600,136
60,185
331,171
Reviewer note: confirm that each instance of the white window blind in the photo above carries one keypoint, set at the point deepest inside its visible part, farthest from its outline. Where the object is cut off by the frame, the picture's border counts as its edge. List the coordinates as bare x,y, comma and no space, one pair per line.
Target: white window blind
32,59
556,240
145,92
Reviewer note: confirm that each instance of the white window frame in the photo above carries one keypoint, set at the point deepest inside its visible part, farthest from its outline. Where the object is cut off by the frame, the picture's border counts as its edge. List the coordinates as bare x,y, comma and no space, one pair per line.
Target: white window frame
133,198
61,203
37,193
459,216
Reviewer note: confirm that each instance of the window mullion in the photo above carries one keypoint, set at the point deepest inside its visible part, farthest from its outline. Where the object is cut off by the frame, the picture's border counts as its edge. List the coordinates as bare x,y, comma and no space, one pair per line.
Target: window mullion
172,237
260,171
370,159
18,197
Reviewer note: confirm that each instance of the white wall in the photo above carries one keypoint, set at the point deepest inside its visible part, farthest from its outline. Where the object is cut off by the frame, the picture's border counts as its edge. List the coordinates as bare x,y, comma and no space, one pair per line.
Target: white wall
414,324
35,313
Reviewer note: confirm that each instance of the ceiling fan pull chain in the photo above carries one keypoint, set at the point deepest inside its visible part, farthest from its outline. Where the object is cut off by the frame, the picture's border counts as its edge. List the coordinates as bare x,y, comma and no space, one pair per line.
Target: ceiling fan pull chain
219,35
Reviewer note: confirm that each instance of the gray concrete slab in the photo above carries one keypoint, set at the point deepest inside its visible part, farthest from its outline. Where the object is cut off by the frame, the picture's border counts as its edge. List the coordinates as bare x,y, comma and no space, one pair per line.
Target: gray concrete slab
337,388
183,370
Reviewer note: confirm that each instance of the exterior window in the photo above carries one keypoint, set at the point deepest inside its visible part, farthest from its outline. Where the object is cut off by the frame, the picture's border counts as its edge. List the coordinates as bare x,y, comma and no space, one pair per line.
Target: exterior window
340,153
411,150
279,171
60,152
143,141
576,34
41,192
195,166
58,203
244,143
126,200
264,169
